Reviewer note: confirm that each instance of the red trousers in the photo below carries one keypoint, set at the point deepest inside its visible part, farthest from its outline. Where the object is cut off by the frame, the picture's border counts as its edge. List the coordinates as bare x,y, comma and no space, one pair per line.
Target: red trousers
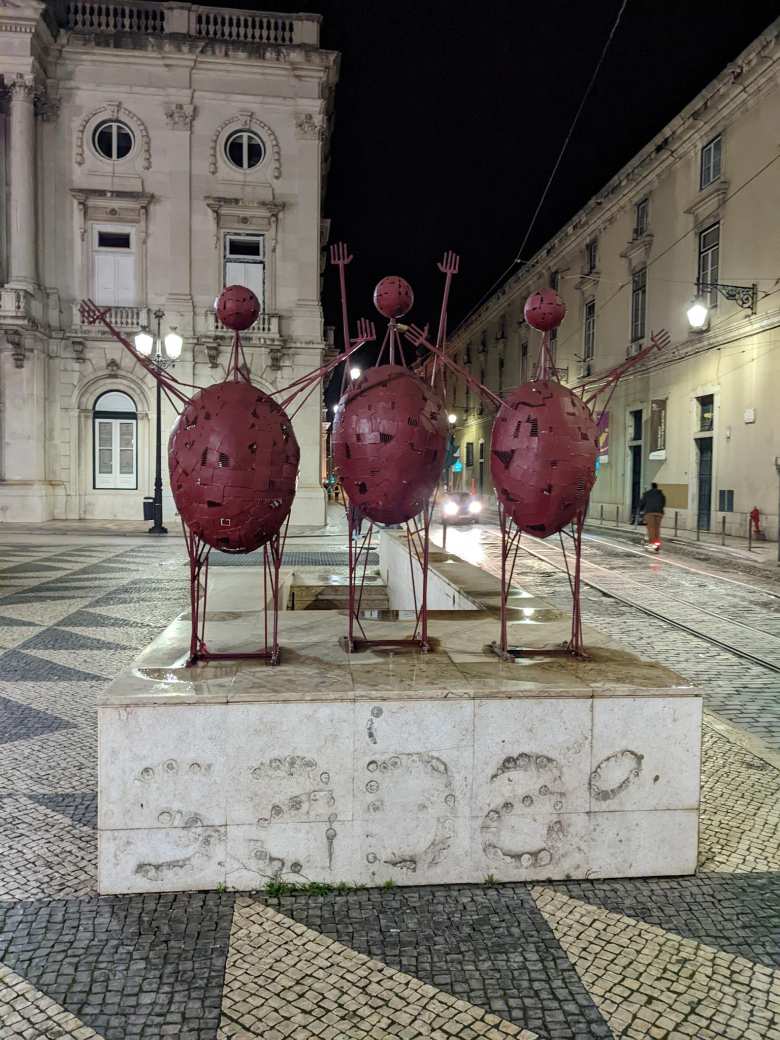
653,524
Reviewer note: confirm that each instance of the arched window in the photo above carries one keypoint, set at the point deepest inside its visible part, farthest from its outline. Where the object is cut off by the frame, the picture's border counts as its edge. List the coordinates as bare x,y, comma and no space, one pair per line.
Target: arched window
115,437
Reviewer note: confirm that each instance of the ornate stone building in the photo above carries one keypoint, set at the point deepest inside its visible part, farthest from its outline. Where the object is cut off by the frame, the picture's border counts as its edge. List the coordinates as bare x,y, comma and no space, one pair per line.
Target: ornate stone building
151,153
696,211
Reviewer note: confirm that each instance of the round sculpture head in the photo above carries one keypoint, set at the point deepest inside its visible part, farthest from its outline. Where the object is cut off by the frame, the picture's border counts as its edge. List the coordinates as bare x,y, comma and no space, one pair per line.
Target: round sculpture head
233,460
389,440
393,297
237,307
544,310
543,456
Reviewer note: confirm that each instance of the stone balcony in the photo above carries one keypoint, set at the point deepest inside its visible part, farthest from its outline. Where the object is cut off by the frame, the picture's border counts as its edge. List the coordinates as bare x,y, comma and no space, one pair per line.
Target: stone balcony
128,320
228,25
264,330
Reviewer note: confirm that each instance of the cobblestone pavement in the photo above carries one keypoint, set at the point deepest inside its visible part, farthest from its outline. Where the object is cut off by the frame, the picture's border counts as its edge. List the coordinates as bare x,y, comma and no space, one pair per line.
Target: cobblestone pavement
663,958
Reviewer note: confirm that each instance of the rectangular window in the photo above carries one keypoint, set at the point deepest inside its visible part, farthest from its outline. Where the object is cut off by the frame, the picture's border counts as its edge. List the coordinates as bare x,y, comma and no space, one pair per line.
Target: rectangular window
635,419
523,363
589,329
554,280
591,256
641,215
709,262
114,266
469,453
710,162
115,453
725,501
245,263
500,374
706,413
638,304
553,344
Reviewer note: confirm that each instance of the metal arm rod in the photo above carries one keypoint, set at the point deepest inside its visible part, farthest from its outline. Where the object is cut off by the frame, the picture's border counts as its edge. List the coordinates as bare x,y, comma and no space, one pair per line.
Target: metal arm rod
419,337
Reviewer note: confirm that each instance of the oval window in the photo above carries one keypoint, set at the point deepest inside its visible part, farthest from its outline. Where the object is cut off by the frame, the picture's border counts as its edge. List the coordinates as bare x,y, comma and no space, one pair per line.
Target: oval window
113,140
244,149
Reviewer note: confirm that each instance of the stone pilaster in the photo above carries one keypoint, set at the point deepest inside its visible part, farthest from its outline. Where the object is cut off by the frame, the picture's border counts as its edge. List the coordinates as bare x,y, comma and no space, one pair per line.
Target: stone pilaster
22,266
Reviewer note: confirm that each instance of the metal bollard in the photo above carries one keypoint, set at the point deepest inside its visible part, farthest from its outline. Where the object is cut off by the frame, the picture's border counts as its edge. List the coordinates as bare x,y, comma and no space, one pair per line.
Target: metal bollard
676,515
617,516
723,530
601,516
444,534
698,532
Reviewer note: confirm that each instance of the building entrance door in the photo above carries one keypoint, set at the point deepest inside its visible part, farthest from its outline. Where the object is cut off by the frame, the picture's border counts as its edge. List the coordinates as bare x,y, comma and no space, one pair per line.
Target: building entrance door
704,498
636,477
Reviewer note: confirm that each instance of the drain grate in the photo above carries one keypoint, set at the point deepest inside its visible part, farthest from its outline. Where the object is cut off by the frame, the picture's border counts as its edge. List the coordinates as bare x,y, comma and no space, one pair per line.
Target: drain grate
290,559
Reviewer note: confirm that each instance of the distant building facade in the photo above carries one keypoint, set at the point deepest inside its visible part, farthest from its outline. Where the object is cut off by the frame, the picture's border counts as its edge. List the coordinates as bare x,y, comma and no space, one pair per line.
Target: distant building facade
700,205
151,153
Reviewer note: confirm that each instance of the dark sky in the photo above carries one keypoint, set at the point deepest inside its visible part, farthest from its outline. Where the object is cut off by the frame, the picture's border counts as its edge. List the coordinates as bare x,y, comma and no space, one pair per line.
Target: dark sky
449,118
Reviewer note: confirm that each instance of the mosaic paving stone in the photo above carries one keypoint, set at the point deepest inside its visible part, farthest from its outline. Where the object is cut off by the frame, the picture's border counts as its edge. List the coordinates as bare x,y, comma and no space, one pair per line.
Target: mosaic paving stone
141,966
21,722
45,854
52,763
28,1014
92,619
645,979
489,946
78,806
57,638
280,973
20,667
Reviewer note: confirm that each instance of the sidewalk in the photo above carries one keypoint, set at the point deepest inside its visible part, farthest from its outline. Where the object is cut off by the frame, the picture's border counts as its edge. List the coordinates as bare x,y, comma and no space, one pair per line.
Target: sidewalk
762,555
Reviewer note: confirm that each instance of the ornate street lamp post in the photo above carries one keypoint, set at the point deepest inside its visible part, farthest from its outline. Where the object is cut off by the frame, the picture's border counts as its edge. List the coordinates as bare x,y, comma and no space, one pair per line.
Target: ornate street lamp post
745,296
162,354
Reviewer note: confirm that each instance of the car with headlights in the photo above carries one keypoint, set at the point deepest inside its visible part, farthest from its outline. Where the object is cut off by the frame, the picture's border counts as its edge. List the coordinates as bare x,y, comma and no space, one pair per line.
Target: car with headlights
460,507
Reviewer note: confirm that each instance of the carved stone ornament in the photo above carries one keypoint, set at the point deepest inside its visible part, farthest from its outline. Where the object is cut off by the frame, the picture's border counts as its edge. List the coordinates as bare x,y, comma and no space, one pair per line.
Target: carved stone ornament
247,121
22,85
212,352
308,127
78,346
47,106
16,343
115,110
179,116
112,365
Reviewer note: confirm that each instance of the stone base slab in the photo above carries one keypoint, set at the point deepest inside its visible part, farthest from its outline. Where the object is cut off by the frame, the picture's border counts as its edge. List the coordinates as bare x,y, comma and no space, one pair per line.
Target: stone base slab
443,768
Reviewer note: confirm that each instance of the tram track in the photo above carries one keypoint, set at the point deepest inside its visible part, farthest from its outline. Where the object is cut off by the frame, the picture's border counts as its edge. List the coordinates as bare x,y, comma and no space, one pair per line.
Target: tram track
675,603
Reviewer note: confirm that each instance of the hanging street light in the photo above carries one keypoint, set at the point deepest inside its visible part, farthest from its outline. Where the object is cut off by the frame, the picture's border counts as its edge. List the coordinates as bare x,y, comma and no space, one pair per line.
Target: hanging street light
161,353
354,373
745,296
698,313
452,418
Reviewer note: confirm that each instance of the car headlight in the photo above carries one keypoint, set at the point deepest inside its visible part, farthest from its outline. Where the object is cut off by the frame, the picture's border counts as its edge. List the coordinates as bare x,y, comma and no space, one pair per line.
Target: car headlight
450,508
475,507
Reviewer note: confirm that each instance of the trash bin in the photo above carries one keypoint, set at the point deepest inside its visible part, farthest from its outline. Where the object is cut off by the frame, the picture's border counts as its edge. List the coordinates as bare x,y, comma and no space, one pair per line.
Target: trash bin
148,508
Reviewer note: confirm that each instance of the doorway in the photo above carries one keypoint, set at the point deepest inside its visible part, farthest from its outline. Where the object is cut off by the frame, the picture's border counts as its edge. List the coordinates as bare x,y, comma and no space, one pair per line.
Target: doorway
635,459
704,482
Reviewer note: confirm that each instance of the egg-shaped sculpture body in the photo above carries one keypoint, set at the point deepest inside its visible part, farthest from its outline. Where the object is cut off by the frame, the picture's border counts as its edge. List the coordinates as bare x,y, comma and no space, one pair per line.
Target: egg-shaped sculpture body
389,441
233,460
393,296
237,307
544,310
543,456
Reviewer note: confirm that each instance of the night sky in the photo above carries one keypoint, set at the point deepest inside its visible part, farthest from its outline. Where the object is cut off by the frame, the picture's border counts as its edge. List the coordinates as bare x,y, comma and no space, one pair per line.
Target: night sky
449,118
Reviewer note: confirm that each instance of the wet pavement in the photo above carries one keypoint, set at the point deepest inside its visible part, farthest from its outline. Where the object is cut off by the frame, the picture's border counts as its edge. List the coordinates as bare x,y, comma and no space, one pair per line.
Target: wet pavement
664,958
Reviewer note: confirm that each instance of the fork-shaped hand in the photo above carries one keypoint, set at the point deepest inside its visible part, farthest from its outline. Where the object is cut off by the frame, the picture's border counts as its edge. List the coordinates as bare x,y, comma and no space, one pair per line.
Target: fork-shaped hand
366,333
661,339
416,335
339,254
450,264
91,313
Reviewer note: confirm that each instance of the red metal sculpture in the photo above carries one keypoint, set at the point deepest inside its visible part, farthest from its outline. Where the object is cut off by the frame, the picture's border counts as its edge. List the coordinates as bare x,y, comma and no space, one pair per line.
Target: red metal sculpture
389,440
233,460
543,457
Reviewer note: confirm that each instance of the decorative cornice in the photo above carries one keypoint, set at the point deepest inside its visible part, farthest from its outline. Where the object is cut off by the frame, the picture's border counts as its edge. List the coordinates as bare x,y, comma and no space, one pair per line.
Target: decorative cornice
637,252
115,110
47,106
179,116
16,344
309,128
246,120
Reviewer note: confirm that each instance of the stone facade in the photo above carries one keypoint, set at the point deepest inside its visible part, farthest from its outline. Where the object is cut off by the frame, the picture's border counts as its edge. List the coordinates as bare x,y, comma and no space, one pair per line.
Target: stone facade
701,202
149,152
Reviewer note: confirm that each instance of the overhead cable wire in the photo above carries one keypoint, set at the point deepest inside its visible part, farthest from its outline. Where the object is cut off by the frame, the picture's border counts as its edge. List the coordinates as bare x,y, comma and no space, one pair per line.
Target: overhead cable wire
548,185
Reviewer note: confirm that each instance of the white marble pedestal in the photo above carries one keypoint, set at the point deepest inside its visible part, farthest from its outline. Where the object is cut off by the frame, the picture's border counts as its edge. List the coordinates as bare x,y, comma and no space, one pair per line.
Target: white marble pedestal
417,769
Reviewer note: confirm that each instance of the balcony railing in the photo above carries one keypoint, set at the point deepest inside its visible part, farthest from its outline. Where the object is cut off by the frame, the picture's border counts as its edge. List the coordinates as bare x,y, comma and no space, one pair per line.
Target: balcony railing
230,25
127,319
266,327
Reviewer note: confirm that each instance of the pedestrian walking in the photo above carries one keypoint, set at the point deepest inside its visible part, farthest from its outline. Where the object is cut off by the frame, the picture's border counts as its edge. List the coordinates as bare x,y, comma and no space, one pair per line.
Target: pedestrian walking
652,505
